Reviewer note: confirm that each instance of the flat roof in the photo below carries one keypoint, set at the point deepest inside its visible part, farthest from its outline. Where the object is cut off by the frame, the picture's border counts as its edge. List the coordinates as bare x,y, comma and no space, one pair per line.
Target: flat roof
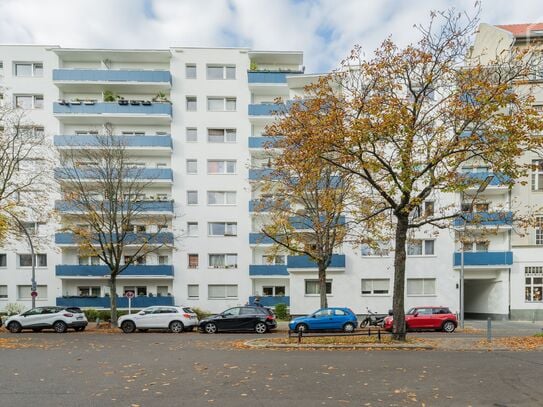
118,55
277,57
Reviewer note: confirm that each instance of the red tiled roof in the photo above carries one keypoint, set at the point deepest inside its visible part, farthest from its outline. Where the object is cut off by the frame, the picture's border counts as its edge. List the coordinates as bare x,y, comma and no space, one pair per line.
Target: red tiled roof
521,30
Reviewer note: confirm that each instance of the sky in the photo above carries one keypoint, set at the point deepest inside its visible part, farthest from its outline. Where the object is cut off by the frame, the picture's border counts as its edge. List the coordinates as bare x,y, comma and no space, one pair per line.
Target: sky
325,30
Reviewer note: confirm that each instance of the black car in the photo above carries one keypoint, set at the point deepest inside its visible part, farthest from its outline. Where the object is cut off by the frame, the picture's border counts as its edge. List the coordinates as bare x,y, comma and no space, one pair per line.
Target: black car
257,319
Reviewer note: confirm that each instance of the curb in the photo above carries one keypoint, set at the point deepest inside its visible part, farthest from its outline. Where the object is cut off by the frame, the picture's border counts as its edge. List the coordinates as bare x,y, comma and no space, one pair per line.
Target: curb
254,343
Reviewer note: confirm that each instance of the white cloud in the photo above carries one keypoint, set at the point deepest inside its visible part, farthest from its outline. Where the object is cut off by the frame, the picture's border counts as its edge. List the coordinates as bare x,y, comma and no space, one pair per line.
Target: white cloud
324,29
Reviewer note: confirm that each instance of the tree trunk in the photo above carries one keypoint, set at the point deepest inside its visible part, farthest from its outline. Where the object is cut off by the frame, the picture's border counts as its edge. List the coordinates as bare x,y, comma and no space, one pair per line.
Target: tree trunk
322,286
398,306
113,299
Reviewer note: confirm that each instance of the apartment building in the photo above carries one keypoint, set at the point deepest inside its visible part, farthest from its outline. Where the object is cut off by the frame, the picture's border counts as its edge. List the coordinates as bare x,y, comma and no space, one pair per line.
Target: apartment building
194,119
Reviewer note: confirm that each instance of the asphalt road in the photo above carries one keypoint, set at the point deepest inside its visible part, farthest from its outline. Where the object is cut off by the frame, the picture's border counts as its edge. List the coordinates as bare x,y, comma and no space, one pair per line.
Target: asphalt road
191,369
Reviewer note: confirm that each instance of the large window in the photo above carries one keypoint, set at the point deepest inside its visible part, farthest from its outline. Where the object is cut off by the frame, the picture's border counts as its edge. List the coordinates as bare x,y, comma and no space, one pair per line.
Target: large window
25,260
24,292
26,69
138,290
222,291
221,166
192,229
221,135
192,166
192,197
279,259
3,260
420,247
221,197
192,135
29,101
89,291
193,291
221,104
312,287
421,286
221,72
223,228
88,260
377,250
376,286
3,291
533,291
223,261
275,290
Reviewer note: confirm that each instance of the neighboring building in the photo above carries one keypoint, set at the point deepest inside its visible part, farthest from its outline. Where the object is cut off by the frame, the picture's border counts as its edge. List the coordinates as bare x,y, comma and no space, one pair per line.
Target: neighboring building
205,147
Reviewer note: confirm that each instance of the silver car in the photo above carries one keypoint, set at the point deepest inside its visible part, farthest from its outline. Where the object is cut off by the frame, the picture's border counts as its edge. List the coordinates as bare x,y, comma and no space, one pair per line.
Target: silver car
175,319
60,319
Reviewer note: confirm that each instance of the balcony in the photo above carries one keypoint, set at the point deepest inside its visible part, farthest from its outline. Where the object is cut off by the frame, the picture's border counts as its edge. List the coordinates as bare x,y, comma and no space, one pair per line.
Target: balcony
304,262
68,270
259,174
161,207
499,182
485,219
122,302
155,175
271,301
111,75
484,259
303,222
264,112
263,142
148,143
270,77
163,238
268,270
259,238
134,112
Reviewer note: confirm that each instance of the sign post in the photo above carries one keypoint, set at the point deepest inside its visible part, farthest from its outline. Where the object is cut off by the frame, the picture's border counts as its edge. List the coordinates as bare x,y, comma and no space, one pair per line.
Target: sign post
129,295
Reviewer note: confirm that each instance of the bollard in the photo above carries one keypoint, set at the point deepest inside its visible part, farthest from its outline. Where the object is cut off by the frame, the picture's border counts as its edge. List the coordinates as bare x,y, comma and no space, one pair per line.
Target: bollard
299,337
489,330
379,335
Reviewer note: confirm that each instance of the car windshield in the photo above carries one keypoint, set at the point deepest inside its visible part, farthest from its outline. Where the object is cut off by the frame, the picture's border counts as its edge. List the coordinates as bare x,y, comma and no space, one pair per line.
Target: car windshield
411,311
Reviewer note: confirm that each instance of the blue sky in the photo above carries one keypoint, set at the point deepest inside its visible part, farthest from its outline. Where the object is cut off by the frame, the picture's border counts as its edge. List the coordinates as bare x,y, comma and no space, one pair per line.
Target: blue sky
324,29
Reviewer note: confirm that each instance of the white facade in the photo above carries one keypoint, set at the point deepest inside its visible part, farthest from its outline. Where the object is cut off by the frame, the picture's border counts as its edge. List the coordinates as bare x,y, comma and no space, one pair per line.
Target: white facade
250,82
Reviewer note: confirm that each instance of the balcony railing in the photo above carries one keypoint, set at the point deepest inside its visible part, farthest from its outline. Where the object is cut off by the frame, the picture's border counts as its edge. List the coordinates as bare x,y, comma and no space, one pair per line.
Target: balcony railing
165,238
259,238
498,180
273,77
497,258
268,270
266,109
122,302
304,262
151,174
256,174
263,142
141,206
111,75
114,108
270,301
75,270
484,219
124,141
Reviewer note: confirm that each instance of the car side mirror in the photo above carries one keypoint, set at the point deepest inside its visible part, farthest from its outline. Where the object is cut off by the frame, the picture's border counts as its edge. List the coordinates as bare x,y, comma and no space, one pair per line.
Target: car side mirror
141,313
390,312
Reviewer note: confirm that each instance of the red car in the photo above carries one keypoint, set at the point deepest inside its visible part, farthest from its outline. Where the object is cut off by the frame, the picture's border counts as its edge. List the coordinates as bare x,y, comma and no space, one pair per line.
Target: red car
438,318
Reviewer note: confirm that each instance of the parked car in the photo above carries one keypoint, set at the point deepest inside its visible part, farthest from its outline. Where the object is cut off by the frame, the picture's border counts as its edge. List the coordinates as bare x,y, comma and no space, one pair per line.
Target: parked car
437,318
258,319
176,319
60,319
326,319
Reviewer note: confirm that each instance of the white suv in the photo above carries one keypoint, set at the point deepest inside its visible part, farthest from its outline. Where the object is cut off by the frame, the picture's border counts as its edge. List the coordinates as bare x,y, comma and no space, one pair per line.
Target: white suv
176,319
57,318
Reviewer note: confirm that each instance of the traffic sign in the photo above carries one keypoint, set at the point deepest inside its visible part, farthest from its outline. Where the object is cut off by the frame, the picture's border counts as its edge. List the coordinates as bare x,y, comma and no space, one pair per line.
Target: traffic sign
129,294
34,294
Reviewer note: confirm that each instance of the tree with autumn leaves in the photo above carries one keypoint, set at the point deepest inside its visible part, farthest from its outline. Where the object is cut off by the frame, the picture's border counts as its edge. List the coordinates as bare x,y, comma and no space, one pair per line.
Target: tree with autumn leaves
401,125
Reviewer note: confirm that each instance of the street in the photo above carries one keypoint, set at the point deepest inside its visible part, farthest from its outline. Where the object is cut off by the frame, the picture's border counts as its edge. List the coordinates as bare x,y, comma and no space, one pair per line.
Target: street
164,369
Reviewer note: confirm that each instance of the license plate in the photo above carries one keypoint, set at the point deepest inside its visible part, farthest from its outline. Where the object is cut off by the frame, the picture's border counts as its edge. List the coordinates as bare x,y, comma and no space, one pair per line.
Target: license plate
79,317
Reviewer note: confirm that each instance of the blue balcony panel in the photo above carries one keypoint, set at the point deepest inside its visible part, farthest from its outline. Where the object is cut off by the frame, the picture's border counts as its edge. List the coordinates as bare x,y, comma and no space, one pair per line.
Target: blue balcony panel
142,206
304,262
155,108
135,173
497,179
125,141
256,174
303,222
69,270
166,238
263,142
112,75
259,238
122,302
485,219
498,258
266,109
268,270
271,301
273,77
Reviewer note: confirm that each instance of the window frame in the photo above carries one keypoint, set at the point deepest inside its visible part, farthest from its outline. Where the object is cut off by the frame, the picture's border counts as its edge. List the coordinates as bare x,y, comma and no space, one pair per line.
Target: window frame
226,296
225,264
423,247
225,100
189,100
225,131
225,166
531,288
225,196
224,76
424,293
33,69
316,282
189,130
192,192
226,227
372,291
191,66
197,257
193,297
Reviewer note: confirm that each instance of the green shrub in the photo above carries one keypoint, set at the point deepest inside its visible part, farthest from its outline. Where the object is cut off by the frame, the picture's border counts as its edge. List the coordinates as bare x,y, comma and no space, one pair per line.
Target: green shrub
201,313
281,311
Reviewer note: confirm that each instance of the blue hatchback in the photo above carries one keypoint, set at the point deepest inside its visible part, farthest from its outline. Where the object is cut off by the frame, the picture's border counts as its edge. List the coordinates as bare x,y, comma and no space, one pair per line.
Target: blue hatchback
326,319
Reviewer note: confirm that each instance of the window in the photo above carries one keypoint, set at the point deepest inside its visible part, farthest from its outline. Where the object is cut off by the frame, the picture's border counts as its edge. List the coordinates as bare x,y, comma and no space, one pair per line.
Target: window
89,291
136,261
533,291
133,133
28,69
221,166
25,260
29,101
220,104
191,103
537,175
88,260
23,292
221,72
377,286
223,228
276,290
161,290
539,230
221,197
222,291
163,259
193,261
277,259
138,290
193,291
3,260
3,291
192,197
190,71
223,261
1,68
481,246
420,248
221,135
379,249
192,229
312,287
421,286
192,166
192,135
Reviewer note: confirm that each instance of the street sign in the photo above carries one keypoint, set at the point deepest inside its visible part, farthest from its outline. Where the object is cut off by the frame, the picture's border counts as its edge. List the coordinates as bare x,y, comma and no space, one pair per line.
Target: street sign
130,294
34,294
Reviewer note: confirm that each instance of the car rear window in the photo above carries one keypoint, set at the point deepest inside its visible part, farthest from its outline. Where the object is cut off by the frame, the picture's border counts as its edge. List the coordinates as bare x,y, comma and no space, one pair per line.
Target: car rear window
188,311
75,310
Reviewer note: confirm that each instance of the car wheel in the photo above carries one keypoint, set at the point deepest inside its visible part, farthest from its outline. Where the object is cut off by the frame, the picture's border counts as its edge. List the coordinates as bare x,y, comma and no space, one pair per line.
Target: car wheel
210,328
36,329
302,328
448,326
15,327
364,323
348,327
261,328
176,327
128,327
79,329
142,330
60,327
